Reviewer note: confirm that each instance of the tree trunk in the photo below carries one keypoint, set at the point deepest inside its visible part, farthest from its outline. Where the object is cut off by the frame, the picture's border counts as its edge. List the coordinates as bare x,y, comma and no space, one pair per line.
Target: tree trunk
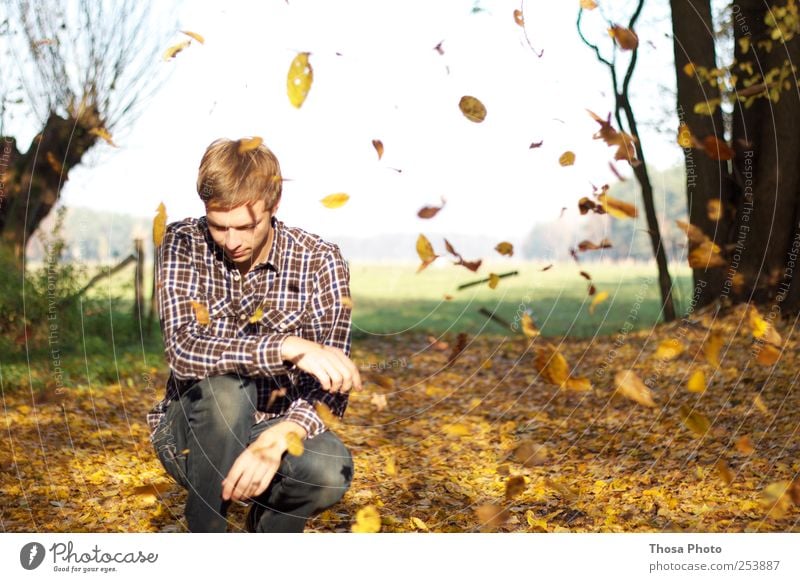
706,179
767,171
32,181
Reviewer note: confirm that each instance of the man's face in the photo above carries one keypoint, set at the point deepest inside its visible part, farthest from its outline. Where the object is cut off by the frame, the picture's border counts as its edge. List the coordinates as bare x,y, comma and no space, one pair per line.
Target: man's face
241,232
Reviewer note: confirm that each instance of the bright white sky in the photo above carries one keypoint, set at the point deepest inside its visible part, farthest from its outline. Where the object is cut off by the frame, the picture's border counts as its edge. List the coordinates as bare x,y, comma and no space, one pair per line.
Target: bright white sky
389,84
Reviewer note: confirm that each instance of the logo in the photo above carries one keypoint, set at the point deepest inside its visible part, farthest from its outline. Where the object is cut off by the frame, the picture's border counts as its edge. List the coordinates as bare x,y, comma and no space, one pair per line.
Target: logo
31,555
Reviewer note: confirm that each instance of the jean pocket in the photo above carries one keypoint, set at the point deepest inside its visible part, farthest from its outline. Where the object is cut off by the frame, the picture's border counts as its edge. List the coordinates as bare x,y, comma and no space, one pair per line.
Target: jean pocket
169,452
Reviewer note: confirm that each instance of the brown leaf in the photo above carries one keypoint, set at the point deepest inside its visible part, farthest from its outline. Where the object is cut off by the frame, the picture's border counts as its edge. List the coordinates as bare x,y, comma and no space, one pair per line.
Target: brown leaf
491,516
586,205
552,366
530,454
744,444
505,249
535,144
587,245
461,343
518,18
724,471
514,486
695,420
430,211
378,145
628,384
768,355
706,256
625,38
716,149
712,347
695,235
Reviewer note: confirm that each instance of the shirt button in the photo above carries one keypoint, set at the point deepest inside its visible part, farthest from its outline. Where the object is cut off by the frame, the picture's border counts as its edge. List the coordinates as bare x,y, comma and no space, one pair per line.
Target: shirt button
242,317
236,276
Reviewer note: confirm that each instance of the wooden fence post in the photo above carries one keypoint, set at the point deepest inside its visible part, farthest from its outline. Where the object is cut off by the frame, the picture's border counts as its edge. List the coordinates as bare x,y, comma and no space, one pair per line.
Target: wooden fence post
138,278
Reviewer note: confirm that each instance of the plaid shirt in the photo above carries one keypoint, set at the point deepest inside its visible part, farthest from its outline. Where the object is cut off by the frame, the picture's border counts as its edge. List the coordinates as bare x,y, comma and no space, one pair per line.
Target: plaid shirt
299,289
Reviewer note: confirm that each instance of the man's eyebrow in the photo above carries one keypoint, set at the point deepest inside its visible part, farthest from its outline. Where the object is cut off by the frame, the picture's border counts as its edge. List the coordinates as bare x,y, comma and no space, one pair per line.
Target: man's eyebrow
215,225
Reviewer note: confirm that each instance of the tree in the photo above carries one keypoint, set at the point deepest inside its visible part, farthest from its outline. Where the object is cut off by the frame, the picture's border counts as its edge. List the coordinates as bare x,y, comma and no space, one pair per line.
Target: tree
622,106
749,201
83,69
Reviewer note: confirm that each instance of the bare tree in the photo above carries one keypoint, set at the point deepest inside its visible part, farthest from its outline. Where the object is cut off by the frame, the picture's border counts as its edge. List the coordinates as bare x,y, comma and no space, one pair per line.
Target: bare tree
78,71
623,107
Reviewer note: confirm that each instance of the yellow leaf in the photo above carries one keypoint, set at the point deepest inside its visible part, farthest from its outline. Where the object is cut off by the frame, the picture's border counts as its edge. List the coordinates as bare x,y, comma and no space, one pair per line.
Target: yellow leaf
195,36
299,79
761,405
628,384
103,134
669,349
346,301
579,384
588,5
294,444
685,136
335,200
472,108
368,520
617,208
689,69
597,300
514,486
777,500
494,279
567,158
707,107
200,313
505,248
170,53
159,225
706,256
455,430
425,252
528,327
697,382
768,355
694,420
249,143
552,366
391,467
744,44
537,524
419,524
378,145
762,329
714,210
258,314
711,348
326,415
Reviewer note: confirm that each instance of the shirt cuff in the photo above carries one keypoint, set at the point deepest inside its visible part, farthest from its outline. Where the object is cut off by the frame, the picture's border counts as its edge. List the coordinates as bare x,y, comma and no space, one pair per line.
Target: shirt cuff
303,413
266,355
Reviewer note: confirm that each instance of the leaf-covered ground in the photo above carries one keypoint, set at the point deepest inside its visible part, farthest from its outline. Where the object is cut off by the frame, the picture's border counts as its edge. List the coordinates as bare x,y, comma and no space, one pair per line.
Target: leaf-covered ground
486,443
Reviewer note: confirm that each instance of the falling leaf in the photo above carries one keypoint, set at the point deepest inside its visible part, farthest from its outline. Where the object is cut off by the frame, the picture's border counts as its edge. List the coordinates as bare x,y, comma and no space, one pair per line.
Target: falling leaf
626,39
438,48
460,346
514,486
617,208
200,313
552,366
491,516
711,348
505,248
598,299
425,252
669,349
368,520
689,69
777,500
153,489
199,38
588,4
457,430
628,384
762,329
438,344
378,145
419,524
299,79
744,444
587,245
471,265
578,384
294,444
494,279
567,158
257,315
586,205
346,301
472,108
759,402
707,107
768,355
697,382
103,134
159,225
695,235
535,144
326,415
546,268
335,200
247,144
518,17
530,454
430,211
685,139
706,256
714,210
716,149
625,144
528,327
694,420
378,401
724,471
170,53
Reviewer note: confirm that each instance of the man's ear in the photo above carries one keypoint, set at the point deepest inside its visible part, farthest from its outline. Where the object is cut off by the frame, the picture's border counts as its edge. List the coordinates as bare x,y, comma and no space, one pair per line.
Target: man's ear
275,207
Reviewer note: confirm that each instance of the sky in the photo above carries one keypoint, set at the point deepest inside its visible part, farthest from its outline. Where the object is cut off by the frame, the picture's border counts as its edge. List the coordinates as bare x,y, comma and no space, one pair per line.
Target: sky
377,76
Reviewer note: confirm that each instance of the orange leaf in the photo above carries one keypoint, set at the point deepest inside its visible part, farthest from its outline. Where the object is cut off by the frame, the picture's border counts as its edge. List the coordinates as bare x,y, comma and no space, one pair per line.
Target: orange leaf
378,145
626,39
518,17
629,385
567,158
717,149
247,144
505,248
617,208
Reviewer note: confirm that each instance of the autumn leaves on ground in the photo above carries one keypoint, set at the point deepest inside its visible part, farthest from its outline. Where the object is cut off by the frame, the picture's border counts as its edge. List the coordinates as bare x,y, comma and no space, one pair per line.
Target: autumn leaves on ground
459,433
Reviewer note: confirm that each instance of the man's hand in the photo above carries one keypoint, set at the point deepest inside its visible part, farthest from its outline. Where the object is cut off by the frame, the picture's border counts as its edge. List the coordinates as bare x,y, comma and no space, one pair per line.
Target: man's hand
334,370
253,470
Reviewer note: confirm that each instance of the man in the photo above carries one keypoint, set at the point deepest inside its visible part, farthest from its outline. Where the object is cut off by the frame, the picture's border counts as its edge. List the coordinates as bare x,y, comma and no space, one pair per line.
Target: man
255,318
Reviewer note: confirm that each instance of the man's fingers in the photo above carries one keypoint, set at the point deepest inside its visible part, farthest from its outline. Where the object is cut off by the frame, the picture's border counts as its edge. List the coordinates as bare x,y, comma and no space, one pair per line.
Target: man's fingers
334,374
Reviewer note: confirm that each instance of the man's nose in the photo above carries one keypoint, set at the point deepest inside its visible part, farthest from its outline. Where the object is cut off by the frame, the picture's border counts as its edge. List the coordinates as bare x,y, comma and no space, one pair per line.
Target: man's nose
233,240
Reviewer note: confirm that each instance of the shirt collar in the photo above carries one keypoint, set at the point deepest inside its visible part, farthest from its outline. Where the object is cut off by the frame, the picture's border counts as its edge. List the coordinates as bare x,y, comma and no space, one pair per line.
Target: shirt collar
276,251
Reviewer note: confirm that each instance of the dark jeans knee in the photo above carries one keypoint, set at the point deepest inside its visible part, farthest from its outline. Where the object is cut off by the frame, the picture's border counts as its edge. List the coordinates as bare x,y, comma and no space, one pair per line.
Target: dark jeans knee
324,471
222,405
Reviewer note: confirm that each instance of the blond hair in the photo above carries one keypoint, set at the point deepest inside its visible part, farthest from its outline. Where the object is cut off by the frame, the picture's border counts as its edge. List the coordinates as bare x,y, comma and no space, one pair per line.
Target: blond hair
227,179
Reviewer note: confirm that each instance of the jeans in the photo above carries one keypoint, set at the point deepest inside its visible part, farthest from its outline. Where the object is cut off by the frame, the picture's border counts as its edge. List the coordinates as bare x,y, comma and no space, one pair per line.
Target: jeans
205,430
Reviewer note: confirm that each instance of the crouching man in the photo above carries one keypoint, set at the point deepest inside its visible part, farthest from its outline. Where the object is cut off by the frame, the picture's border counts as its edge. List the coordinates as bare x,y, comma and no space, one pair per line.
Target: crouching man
255,317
